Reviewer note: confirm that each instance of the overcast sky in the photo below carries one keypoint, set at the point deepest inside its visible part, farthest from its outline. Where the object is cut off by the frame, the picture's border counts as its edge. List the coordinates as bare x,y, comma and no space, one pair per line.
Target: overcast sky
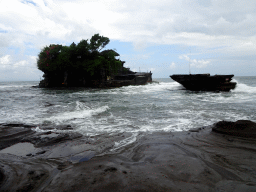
162,36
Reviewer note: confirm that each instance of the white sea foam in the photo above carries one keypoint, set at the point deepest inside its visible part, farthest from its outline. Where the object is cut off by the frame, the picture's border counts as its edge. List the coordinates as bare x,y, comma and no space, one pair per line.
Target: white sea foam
147,128
240,87
125,142
153,87
105,125
162,86
37,129
133,90
132,109
13,86
81,112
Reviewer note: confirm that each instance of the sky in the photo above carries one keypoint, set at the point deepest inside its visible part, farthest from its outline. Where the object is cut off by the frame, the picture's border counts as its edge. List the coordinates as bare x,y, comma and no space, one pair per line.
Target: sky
161,36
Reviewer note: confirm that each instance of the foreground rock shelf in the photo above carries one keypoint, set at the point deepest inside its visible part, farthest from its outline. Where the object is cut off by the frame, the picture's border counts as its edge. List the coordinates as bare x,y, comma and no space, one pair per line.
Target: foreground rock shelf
197,160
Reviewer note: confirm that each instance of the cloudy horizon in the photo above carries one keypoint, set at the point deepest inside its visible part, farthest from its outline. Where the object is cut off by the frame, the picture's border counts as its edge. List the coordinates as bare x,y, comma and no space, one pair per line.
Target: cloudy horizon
213,36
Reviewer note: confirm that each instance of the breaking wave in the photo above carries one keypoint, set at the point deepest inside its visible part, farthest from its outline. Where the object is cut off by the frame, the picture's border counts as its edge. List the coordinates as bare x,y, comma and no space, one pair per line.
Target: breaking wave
81,112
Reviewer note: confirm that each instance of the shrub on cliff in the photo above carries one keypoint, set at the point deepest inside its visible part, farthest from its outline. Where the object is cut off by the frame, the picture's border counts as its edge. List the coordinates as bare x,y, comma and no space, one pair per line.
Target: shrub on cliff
84,57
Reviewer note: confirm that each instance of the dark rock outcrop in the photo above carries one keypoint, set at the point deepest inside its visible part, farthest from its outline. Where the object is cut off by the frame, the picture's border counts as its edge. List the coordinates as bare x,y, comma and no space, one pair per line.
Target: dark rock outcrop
240,128
178,161
11,134
76,78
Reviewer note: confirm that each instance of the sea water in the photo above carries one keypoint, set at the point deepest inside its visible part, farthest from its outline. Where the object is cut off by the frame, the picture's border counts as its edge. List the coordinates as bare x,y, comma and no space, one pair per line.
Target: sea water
163,106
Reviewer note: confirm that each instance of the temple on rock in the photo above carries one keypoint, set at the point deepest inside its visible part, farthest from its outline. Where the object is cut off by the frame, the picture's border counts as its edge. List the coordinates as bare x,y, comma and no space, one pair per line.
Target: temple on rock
85,65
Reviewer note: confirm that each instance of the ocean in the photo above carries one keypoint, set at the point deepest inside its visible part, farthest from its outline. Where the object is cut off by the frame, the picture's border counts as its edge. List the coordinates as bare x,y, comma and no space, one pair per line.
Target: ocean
163,106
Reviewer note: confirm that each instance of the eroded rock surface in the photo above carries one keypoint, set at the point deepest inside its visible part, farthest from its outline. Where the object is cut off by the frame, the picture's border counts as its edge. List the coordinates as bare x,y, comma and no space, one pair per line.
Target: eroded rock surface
201,160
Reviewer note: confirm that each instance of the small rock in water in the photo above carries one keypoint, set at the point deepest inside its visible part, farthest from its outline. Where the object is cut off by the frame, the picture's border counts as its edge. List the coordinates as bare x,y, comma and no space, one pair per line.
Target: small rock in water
40,152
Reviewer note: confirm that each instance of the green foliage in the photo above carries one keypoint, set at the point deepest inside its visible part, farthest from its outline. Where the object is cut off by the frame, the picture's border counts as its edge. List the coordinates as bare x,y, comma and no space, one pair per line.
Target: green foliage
82,48
47,58
85,57
63,61
98,42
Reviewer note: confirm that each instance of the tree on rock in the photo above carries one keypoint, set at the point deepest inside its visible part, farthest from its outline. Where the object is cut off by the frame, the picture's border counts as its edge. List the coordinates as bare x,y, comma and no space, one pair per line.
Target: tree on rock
98,42
78,65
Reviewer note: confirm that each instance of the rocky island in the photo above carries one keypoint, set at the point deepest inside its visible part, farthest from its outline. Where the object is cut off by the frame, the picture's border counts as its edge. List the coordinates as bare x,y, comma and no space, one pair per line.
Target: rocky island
85,65
220,157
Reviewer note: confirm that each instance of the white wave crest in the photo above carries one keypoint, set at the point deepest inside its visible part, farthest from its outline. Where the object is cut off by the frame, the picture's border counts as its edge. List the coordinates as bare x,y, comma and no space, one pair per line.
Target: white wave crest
81,111
149,88
240,87
134,90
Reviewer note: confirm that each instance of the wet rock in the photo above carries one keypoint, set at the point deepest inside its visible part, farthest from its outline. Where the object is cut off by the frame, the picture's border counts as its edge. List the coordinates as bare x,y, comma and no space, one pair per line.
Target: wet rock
1,177
31,172
110,169
17,125
48,104
64,127
11,134
25,188
40,152
63,165
47,127
39,141
154,162
240,128
195,130
58,127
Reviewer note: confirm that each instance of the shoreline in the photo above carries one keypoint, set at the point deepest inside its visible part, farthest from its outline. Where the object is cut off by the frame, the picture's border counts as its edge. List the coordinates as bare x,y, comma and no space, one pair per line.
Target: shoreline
195,160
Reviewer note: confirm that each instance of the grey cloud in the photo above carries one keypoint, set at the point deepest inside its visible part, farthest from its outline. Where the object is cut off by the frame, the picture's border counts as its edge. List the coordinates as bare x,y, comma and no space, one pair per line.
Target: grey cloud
231,18
4,40
12,68
227,26
147,21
